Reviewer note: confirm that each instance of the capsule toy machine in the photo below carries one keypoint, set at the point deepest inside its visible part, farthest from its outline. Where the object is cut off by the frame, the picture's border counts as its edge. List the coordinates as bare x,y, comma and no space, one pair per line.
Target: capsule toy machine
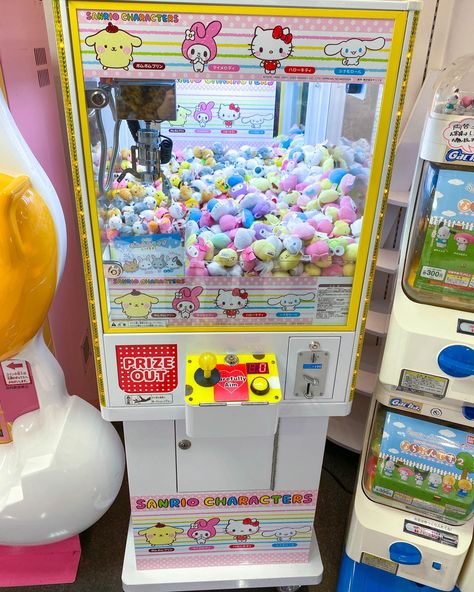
231,164
418,476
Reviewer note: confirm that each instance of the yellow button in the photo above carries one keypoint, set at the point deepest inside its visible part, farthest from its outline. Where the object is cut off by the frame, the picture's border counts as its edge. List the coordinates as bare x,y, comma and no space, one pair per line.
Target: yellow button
260,386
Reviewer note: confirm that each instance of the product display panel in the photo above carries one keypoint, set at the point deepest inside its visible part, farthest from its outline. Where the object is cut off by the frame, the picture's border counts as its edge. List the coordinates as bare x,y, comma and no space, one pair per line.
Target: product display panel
424,466
239,189
440,267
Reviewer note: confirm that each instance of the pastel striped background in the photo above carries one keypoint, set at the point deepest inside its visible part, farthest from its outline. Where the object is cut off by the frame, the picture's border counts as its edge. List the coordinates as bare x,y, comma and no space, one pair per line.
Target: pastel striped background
258,310
162,43
221,549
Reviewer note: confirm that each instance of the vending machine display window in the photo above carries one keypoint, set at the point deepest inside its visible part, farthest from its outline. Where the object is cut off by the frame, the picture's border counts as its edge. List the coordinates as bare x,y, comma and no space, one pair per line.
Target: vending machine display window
440,265
423,466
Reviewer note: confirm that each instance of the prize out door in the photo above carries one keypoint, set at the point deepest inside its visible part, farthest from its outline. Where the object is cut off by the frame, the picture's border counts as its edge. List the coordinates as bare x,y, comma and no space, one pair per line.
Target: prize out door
220,464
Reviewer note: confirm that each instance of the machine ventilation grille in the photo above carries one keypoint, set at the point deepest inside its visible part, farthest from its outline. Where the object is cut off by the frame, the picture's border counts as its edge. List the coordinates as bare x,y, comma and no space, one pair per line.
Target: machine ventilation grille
40,56
43,77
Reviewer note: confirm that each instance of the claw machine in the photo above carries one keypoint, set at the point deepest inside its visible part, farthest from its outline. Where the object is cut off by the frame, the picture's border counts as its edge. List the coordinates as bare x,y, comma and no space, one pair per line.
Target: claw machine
231,164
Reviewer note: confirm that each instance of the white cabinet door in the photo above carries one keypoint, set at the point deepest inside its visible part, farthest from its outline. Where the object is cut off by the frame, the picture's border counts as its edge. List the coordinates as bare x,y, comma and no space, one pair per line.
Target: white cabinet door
223,464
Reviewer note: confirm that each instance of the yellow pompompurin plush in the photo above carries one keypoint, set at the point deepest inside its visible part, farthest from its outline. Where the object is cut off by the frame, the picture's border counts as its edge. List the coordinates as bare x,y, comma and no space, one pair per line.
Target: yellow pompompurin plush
113,47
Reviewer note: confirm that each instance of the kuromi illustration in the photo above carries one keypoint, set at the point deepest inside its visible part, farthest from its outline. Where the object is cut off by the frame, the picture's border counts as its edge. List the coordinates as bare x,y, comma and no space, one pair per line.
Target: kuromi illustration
352,50
256,121
242,530
285,534
199,46
160,534
289,302
270,46
228,113
135,304
232,301
113,47
203,530
203,113
186,301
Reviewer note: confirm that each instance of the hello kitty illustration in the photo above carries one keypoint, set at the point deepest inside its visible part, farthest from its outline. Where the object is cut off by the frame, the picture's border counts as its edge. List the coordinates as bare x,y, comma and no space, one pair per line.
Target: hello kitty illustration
232,301
186,301
203,113
228,113
270,46
242,530
199,46
203,530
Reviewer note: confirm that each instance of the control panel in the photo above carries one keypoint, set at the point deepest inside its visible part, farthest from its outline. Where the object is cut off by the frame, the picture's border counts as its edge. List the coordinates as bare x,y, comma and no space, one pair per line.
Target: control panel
232,378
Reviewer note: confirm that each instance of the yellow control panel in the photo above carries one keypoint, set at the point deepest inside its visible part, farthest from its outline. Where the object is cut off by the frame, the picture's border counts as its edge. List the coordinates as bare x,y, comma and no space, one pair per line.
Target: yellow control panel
232,378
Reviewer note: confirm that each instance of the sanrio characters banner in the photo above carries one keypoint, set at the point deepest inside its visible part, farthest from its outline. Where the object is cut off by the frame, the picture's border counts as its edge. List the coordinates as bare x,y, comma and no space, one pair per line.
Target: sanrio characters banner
226,528
205,111
214,45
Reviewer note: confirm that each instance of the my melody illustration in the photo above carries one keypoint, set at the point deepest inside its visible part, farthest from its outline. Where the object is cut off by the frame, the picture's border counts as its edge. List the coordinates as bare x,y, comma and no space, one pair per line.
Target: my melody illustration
232,532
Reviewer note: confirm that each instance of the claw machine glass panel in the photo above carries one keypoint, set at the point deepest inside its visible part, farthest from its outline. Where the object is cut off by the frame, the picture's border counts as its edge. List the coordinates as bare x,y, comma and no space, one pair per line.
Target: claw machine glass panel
230,163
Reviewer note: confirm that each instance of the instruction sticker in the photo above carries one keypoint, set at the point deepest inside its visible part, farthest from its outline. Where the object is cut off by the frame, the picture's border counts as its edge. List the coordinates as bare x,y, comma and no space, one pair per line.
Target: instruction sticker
137,400
379,563
420,383
431,533
16,373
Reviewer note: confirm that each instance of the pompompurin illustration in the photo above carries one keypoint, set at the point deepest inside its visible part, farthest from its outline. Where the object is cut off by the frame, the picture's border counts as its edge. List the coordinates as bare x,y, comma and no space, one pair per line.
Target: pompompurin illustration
203,530
232,301
271,46
203,113
136,304
242,530
186,301
228,113
160,534
199,46
352,50
113,47
182,115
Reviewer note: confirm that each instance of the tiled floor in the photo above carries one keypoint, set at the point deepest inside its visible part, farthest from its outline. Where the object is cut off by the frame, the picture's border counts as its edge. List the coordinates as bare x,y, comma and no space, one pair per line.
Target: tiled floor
103,544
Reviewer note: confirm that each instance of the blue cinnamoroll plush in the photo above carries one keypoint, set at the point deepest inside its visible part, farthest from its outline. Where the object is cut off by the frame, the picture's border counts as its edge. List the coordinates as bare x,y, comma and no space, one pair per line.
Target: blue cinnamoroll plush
293,244
221,208
250,201
244,237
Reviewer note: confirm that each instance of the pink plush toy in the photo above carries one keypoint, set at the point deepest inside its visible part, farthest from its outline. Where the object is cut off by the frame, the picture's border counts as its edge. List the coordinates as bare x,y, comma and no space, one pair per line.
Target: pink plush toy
196,254
289,183
248,259
318,251
347,210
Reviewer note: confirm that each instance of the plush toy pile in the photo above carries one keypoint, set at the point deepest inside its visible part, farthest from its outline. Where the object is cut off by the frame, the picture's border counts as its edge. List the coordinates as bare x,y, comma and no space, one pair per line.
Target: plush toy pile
288,209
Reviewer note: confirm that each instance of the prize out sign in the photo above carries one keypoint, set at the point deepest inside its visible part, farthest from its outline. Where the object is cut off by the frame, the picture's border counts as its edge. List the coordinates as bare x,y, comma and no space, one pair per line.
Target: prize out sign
147,368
